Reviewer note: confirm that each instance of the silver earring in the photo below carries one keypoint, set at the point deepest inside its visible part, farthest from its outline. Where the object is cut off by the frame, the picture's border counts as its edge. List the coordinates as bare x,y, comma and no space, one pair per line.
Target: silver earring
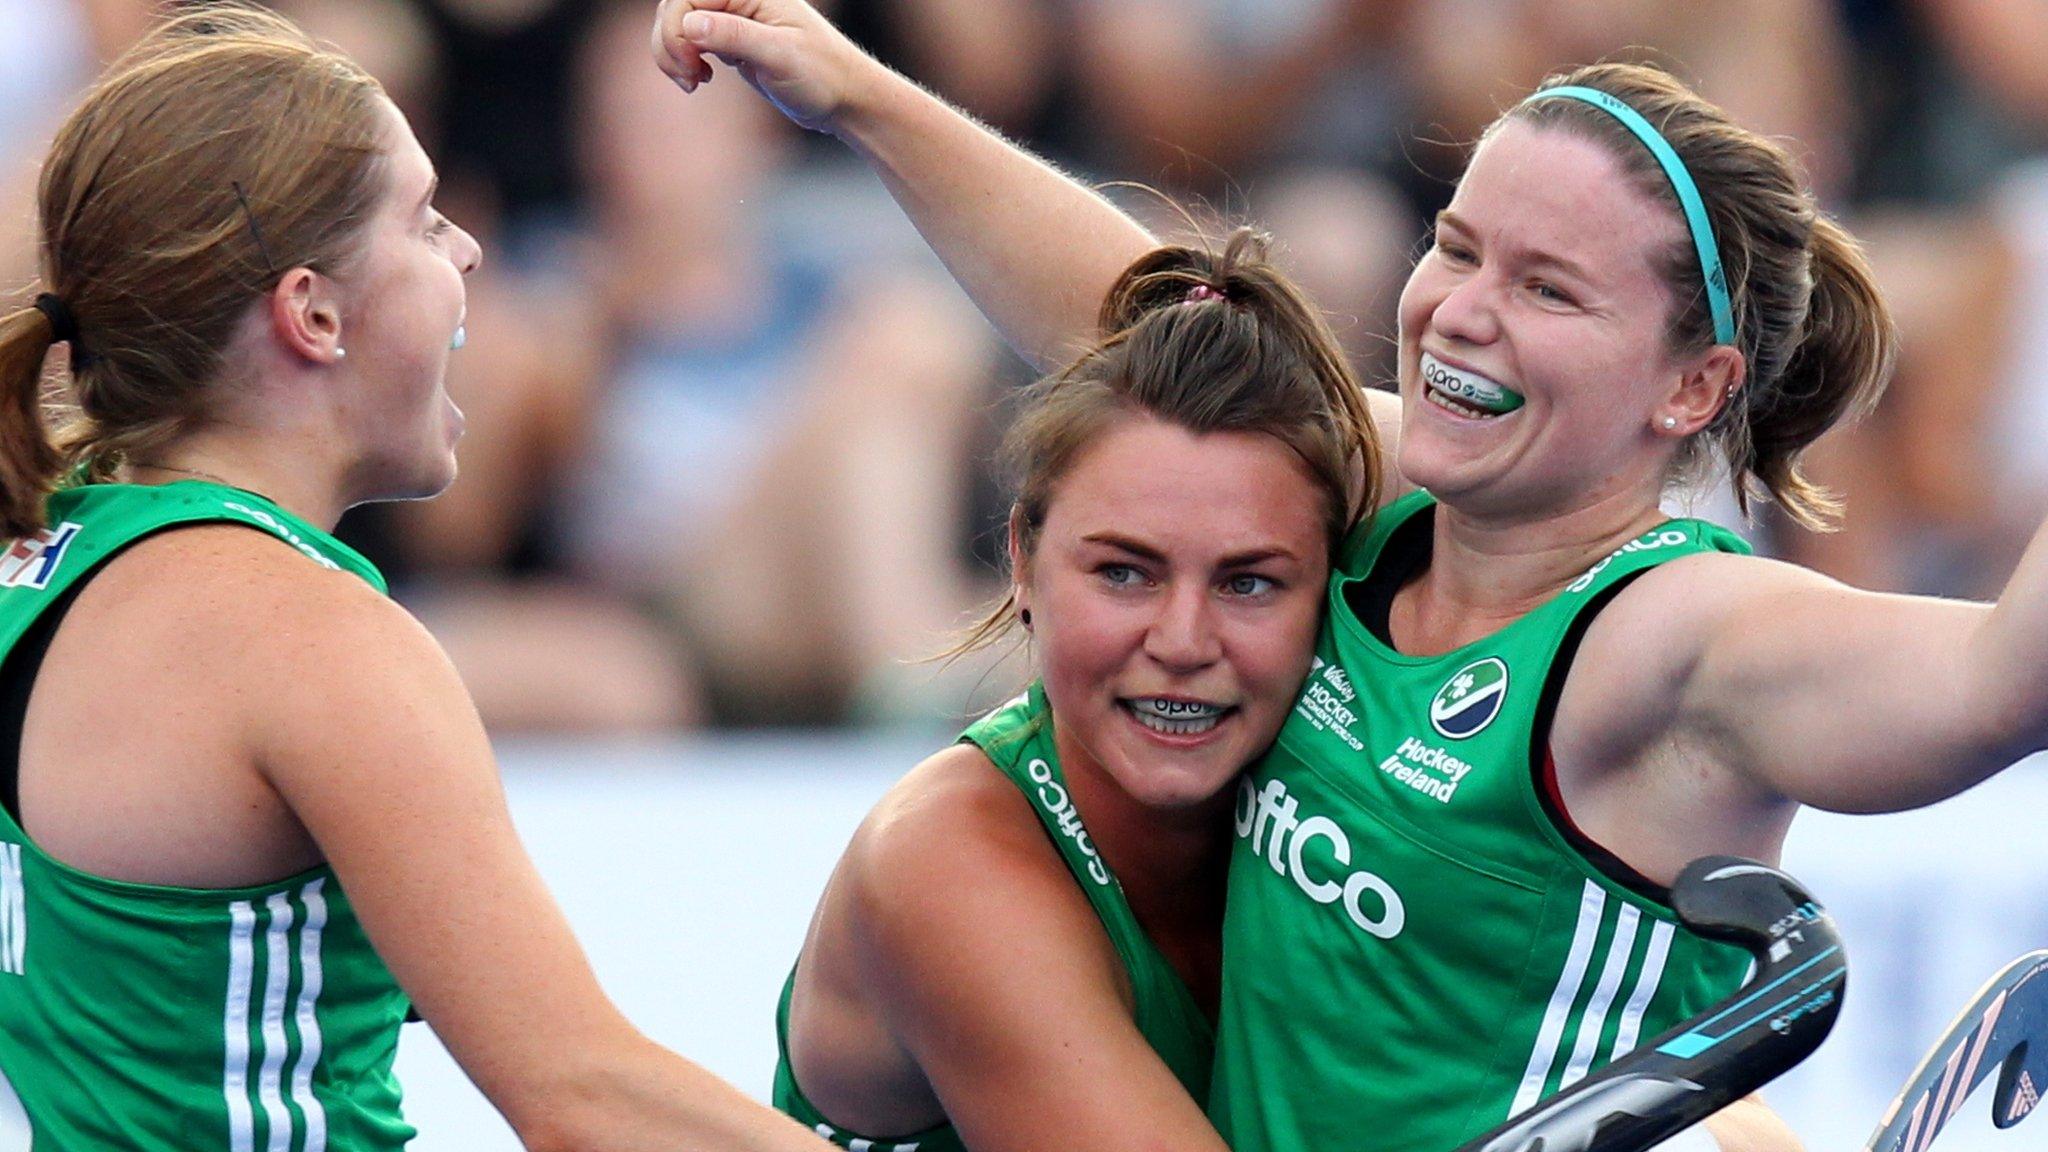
1670,422
341,353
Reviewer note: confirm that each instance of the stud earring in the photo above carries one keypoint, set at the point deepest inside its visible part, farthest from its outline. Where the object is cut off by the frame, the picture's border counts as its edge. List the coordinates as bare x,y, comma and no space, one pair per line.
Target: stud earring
1670,422
341,353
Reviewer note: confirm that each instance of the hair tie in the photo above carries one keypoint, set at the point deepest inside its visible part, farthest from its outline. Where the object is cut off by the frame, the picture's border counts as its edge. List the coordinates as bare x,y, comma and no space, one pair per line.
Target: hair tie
1696,219
1201,292
63,325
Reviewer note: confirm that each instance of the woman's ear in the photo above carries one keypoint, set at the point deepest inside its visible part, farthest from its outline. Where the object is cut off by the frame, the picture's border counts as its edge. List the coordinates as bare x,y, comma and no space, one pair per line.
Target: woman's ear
305,316
1705,388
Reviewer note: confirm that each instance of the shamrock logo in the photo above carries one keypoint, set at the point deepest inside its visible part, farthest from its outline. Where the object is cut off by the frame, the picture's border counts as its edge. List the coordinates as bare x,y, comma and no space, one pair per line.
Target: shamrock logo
1470,699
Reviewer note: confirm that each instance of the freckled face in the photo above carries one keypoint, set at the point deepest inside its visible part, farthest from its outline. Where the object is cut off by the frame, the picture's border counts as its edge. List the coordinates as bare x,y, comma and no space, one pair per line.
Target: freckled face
1175,592
405,301
1542,281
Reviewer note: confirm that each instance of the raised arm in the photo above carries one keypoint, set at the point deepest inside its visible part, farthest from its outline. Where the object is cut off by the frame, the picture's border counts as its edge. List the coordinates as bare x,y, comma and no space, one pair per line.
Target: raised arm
1034,248
1825,694
368,736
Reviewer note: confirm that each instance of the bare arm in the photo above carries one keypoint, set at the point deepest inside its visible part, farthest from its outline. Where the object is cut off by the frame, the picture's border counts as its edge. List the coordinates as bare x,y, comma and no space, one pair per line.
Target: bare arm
1821,693
1035,249
991,969
367,735
1749,1125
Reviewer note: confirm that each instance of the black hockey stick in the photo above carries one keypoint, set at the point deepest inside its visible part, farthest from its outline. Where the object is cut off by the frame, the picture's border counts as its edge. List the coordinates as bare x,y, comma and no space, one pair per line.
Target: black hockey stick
1722,1055
2005,1028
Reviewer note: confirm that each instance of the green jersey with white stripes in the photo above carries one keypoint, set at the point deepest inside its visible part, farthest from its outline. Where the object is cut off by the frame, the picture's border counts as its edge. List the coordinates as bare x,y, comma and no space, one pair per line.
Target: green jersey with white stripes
1018,739
137,1016
1418,944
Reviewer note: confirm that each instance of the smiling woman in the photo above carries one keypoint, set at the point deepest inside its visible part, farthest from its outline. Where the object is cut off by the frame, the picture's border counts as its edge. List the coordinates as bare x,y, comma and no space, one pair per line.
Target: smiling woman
1540,260
1593,694
1180,488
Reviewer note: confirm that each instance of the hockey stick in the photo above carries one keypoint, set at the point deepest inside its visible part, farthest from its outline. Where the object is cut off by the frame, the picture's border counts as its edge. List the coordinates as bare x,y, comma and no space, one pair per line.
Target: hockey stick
1722,1055
2005,1027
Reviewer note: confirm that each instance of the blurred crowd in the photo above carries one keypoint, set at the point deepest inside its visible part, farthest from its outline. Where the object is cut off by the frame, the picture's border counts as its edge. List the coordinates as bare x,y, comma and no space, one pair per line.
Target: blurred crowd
729,424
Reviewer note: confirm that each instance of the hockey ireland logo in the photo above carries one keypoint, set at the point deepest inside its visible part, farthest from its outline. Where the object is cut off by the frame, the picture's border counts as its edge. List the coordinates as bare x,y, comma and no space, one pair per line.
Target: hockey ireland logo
1470,699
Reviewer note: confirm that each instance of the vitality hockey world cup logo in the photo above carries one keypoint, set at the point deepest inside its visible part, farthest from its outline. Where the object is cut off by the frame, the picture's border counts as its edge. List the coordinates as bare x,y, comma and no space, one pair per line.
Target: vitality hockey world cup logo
1470,699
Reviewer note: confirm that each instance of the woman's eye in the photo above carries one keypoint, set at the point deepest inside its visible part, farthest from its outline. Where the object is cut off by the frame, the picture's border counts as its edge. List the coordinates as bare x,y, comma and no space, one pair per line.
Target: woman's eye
440,226
1249,585
1120,575
1551,292
1454,252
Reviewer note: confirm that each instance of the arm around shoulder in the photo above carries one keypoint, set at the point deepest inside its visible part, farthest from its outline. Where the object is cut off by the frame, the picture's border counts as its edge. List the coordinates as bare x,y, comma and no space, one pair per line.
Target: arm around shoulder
367,734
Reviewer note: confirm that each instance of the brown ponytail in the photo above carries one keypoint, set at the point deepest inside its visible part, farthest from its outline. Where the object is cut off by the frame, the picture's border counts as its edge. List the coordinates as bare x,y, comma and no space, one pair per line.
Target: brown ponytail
1210,341
1816,337
29,463
1839,368
223,150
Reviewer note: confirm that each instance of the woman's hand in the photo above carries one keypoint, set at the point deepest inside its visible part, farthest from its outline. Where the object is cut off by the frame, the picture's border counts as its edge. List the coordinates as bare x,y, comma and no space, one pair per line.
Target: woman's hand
784,48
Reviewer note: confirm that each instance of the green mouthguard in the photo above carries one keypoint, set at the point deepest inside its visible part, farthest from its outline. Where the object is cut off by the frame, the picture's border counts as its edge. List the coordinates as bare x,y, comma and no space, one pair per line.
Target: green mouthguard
1484,395
1492,397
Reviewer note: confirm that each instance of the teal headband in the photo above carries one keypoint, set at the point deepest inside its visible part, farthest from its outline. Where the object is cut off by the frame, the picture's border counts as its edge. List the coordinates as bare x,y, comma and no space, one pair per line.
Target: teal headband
1681,183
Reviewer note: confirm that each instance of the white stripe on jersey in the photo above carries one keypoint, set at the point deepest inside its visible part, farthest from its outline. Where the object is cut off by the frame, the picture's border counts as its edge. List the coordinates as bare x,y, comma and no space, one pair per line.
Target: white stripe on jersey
1592,904
278,965
234,1080
1654,958
310,978
13,912
1595,1018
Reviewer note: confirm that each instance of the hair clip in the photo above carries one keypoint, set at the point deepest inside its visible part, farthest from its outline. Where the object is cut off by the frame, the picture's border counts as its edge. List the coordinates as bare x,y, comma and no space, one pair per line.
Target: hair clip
263,250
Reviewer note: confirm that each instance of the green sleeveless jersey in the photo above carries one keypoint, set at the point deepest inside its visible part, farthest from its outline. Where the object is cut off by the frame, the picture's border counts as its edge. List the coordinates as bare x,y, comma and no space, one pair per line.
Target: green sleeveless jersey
145,1017
1417,946
1018,739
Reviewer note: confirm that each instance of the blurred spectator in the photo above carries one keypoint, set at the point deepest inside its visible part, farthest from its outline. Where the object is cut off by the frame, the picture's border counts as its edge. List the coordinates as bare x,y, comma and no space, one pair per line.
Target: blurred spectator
1944,93
47,52
1920,476
1945,483
728,426
389,38
777,452
1194,94
2001,43
1349,240
1777,65
504,117
996,59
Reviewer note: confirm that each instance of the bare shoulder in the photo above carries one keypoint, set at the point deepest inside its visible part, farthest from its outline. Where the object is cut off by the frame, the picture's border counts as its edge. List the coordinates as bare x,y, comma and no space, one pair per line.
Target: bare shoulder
250,616
1697,594
952,852
1644,648
954,816
1386,410
216,575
